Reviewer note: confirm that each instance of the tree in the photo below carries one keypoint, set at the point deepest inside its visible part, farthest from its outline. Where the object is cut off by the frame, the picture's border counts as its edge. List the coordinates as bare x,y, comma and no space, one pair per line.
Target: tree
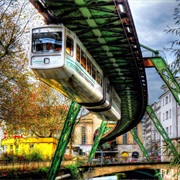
46,112
12,55
26,105
36,110
175,45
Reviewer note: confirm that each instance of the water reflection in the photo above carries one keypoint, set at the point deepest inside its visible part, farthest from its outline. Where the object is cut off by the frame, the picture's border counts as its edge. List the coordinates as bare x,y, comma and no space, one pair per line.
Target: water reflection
104,178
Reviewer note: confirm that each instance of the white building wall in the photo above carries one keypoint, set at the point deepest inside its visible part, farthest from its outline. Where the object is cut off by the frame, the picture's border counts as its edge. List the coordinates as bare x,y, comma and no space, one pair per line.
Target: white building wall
168,112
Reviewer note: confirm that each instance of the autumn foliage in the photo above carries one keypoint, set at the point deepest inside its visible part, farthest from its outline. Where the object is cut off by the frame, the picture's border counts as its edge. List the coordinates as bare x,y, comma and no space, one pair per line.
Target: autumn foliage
28,106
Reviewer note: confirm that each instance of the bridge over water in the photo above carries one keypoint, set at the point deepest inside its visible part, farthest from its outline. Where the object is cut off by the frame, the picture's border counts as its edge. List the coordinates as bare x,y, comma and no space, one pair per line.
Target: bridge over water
90,171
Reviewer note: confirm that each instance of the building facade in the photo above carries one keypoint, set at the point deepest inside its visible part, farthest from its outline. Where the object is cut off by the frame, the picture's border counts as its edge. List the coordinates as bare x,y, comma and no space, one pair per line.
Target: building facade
21,146
152,137
129,150
167,111
124,148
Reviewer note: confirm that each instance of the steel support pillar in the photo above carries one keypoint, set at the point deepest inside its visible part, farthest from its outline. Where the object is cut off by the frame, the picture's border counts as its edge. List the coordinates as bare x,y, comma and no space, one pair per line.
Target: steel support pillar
64,139
145,153
101,131
162,68
161,130
165,73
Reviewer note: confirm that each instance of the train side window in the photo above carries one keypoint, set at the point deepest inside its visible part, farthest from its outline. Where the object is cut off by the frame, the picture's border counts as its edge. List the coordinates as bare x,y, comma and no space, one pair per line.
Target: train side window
99,79
93,72
88,67
108,88
77,53
83,59
108,91
69,46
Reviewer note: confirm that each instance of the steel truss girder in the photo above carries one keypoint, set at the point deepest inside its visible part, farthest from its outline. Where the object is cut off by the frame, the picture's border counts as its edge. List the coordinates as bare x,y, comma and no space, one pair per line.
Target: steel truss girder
165,73
161,130
100,132
64,139
145,153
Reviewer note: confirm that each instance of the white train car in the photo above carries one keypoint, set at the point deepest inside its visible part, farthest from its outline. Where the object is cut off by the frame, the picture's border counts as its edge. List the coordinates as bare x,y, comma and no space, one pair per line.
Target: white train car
59,59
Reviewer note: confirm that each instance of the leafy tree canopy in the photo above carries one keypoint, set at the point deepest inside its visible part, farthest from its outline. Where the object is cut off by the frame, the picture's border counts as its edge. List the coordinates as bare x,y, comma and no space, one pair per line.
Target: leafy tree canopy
27,106
175,45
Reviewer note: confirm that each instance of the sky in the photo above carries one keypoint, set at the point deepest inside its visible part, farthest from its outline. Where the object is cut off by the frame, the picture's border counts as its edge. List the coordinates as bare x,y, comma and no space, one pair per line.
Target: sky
151,18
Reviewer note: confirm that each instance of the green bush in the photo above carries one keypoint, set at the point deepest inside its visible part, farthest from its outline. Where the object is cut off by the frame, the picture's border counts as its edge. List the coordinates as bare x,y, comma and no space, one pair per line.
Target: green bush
7,156
34,155
43,172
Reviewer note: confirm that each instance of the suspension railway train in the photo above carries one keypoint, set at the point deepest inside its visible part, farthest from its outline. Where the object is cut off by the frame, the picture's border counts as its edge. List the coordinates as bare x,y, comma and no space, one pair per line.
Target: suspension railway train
60,60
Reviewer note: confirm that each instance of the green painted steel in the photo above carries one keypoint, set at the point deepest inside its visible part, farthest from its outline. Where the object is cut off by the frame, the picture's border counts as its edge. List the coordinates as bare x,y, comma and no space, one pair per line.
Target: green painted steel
64,139
144,151
156,52
165,73
161,130
106,29
102,129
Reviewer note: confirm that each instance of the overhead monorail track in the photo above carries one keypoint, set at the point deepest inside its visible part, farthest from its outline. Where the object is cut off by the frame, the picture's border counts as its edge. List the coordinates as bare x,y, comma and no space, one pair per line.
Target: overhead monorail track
107,31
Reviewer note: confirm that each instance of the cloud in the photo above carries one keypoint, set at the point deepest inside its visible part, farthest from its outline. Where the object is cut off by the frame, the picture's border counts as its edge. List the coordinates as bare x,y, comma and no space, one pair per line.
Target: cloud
154,85
151,18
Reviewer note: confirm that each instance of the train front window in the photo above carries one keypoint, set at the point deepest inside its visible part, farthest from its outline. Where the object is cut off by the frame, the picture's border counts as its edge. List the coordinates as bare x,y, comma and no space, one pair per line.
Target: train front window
46,40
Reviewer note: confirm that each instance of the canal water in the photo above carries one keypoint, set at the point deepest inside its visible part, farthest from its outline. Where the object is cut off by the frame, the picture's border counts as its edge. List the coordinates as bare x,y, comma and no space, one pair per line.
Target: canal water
105,178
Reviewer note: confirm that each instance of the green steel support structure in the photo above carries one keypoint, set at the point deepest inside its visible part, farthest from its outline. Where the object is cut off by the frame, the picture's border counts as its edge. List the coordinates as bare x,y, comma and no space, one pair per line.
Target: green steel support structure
165,73
101,131
145,153
161,130
64,139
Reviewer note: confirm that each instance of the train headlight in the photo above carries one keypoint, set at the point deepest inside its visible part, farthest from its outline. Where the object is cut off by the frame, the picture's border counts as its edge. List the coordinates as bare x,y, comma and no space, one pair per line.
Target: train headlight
46,60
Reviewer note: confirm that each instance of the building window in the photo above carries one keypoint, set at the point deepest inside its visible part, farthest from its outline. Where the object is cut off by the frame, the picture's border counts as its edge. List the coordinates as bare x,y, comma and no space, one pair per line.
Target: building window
163,117
170,113
5,148
83,135
11,148
166,99
169,97
167,130
31,146
125,138
166,114
17,149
